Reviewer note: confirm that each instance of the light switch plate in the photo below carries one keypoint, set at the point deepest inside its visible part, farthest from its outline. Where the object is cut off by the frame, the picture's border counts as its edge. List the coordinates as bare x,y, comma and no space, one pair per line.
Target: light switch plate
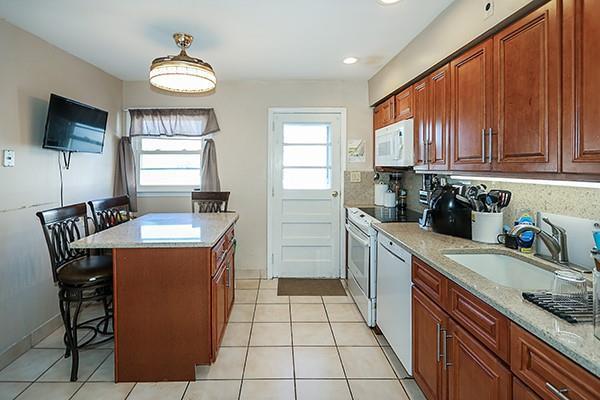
9,158
488,8
355,177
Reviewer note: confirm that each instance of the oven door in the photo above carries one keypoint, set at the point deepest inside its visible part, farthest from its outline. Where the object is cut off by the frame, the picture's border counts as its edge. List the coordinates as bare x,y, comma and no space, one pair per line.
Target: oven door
359,257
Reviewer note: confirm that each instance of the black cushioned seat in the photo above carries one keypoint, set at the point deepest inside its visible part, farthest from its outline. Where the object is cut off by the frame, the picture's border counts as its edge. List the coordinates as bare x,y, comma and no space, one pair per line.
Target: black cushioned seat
87,270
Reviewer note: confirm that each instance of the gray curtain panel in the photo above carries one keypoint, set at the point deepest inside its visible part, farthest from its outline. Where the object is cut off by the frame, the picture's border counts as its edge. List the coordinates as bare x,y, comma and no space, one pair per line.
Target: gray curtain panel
209,173
125,182
173,122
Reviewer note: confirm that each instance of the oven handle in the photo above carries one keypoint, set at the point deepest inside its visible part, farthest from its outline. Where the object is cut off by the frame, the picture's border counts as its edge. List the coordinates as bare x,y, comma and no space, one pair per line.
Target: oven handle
362,241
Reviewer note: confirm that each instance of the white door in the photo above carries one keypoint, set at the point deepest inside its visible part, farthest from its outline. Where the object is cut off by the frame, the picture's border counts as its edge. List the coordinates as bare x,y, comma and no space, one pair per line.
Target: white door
305,204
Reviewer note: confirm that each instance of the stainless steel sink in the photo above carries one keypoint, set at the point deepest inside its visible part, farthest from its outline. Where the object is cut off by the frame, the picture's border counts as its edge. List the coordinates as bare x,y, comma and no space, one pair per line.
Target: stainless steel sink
506,270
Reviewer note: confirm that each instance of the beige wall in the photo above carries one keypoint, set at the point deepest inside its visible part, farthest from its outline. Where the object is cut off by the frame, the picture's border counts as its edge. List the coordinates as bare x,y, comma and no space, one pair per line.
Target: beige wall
242,112
456,26
31,69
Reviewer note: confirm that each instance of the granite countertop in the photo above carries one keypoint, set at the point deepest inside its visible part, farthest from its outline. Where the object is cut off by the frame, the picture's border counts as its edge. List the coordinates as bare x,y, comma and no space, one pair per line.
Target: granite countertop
576,341
162,230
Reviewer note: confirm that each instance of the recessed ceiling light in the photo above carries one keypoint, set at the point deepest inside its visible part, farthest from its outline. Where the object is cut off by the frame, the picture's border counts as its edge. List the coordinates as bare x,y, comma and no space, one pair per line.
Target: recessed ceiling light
350,60
387,2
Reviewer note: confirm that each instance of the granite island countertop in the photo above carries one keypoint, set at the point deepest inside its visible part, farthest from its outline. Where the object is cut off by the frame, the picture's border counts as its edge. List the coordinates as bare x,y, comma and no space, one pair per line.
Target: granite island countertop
163,230
575,341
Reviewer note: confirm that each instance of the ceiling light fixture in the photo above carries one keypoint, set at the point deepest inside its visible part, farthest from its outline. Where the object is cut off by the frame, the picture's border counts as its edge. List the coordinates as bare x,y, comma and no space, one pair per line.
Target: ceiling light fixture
350,60
182,73
388,2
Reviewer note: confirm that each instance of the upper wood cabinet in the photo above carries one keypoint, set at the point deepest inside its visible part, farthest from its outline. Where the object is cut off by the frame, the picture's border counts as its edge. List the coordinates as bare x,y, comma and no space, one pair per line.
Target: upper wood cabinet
421,123
403,108
383,114
526,87
581,87
471,109
439,119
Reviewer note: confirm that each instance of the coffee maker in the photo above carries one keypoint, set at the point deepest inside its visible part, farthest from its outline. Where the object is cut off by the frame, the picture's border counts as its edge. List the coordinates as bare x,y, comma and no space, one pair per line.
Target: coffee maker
448,213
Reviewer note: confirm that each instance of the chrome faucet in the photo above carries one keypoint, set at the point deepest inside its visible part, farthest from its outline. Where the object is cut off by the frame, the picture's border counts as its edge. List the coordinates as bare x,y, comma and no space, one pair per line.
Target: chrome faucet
556,243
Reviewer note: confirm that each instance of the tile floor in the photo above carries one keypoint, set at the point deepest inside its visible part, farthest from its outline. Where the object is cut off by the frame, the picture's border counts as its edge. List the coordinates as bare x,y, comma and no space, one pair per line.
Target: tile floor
275,347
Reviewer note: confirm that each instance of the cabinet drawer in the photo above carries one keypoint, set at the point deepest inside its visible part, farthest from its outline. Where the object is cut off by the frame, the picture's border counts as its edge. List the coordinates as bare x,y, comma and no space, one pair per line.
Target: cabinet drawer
219,251
480,320
546,371
431,282
522,392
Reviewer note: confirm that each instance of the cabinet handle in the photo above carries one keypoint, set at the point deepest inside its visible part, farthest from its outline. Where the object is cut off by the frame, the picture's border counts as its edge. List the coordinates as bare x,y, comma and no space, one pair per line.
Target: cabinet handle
559,393
228,282
483,145
490,133
445,349
438,330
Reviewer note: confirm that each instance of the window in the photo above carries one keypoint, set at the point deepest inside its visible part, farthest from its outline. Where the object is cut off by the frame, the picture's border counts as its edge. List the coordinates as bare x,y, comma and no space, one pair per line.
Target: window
306,156
168,164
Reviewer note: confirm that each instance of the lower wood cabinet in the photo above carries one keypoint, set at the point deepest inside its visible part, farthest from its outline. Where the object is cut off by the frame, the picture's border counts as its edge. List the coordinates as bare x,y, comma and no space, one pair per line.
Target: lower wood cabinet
222,296
522,392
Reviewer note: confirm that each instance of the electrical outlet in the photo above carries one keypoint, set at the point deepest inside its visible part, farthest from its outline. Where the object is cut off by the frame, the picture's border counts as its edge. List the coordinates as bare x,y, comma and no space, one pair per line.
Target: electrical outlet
488,8
355,177
9,158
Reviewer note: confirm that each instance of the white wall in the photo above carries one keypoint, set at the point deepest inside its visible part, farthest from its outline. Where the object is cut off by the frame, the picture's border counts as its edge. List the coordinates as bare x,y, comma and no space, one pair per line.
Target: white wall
455,27
31,69
242,112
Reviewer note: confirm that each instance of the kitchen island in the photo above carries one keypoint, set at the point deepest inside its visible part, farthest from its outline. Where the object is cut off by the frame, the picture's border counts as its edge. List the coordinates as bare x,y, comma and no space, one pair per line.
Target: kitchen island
173,291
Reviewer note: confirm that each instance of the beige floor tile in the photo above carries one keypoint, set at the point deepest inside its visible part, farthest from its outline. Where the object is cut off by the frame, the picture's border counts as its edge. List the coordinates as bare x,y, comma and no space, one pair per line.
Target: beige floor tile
306,299
229,365
268,283
271,334
317,362
396,363
308,313
322,390
366,362
312,334
10,390
30,365
245,296
377,389
50,391
89,361
56,339
213,390
268,390
236,334
242,313
158,391
104,391
106,371
269,296
247,283
412,389
353,334
343,313
269,363
272,313
338,300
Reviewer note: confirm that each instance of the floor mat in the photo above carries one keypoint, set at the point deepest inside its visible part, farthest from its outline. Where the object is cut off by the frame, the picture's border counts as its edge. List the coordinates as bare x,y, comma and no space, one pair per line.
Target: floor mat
309,287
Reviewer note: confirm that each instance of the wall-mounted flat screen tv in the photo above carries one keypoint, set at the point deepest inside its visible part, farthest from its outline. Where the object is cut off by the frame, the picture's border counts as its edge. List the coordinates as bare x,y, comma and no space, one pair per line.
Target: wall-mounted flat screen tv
74,127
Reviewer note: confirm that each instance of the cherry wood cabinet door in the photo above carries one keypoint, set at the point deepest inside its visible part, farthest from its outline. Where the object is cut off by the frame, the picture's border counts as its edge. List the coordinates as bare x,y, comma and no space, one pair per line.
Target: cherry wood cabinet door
471,108
522,392
428,323
377,117
439,115
230,280
421,123
526,83
581,86
219,308
404,104
474,373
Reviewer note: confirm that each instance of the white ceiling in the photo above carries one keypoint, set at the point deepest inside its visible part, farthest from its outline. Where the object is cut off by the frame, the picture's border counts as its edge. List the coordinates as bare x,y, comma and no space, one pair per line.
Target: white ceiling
242,39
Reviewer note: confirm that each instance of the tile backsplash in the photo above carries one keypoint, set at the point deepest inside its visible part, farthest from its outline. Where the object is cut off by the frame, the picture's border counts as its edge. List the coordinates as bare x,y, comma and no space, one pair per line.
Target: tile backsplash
359,193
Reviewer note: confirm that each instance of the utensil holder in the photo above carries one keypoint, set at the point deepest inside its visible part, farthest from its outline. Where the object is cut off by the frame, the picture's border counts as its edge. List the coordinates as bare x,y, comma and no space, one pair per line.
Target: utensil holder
486,226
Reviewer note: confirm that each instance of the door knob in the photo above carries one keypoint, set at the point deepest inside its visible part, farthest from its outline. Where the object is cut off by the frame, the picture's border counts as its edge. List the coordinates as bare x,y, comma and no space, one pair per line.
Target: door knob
334,193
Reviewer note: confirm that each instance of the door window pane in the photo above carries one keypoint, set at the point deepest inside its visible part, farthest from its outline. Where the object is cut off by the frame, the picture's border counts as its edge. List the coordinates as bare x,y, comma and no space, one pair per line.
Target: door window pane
306,156
162,161
306,133
306,178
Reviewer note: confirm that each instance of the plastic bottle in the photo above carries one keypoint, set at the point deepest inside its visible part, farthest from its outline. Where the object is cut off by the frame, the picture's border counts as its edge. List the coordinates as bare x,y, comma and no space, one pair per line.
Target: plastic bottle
526,239
596,233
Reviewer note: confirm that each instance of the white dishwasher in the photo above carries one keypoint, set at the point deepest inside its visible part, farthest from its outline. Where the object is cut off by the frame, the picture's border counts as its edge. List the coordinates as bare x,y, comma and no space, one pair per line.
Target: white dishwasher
394,304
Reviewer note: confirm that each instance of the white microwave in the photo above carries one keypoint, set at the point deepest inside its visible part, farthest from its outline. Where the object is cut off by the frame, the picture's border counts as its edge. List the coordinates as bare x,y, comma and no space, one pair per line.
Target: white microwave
394,145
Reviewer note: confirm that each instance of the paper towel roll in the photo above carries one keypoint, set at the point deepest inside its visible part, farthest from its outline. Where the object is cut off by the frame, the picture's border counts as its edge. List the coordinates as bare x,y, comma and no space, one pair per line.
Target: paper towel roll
380,189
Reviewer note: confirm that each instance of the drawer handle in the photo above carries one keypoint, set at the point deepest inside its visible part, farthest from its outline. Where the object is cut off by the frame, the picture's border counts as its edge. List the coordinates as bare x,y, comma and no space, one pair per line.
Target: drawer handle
445,349
438,330
559,393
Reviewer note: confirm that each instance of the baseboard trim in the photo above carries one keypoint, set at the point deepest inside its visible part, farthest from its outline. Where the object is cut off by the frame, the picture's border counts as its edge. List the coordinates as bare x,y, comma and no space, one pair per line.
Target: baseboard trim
19,348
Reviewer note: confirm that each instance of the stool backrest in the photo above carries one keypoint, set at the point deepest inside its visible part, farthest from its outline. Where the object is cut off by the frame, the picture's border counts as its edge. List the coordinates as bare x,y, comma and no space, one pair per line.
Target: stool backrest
110,212
62,226
209,202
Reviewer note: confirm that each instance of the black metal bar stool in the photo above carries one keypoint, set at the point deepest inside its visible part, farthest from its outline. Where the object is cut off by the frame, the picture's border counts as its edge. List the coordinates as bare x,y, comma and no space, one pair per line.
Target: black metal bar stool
81,278
209,202
110,212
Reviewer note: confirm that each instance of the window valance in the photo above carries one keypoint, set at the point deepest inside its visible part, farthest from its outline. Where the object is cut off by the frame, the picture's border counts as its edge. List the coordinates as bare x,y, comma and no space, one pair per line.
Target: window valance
196,122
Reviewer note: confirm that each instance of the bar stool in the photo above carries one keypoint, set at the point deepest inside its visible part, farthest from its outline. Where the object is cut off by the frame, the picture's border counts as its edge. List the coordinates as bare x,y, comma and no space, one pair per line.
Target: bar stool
209,202
110,212
81,278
